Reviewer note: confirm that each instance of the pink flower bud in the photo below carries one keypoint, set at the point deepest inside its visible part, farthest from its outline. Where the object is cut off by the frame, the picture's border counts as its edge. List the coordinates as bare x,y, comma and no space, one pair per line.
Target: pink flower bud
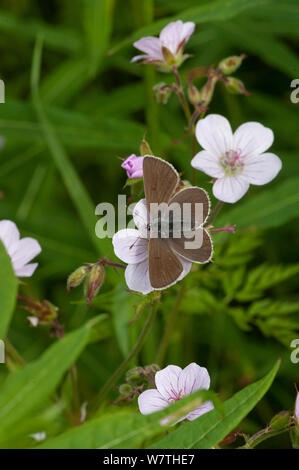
296,413
133,166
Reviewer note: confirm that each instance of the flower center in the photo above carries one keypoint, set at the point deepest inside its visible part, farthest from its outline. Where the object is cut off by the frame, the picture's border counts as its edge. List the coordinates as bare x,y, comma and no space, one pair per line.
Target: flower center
232,162
175,396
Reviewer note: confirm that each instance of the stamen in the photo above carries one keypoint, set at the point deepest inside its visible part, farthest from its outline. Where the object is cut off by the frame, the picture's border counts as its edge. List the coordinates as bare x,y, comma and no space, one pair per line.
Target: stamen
232,162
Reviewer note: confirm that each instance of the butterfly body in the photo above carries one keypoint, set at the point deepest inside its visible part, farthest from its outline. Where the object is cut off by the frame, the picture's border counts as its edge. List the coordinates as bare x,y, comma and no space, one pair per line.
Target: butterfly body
176,223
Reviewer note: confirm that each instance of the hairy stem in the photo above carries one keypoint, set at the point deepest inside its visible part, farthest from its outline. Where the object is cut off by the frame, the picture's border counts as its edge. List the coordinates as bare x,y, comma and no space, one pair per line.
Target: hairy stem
181,95
121,369
170,324
215,212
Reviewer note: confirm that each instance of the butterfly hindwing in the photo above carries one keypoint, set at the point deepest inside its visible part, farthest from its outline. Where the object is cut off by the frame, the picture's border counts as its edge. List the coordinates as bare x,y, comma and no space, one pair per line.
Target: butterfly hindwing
164,266
196,255
193,196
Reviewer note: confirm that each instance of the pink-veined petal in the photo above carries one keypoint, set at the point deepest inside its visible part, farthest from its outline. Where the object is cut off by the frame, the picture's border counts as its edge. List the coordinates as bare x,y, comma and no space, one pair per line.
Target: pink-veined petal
214,134
208,163
27,270
137,277
9,234
151,46
193,378
204,408
252,138
129,246
261,169
167,382
23,251
230,188
151,401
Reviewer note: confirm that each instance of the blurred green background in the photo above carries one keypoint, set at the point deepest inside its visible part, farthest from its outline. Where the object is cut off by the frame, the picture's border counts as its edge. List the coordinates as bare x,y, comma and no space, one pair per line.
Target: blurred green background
238,315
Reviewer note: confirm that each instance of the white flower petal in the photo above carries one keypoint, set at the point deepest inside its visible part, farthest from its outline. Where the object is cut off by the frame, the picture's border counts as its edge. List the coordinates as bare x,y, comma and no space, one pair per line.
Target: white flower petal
187,31
138,57
26,271
207,406
171,36
9,234
129,246
167,381
141,217
151,401
208,163
137,277
193,378
261,169
151,46
252,138
24,251
214,134
187,265
230,188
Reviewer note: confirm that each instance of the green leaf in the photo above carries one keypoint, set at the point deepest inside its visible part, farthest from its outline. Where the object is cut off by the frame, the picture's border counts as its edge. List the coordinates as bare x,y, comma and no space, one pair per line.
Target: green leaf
8,291
127,429
24,391
209,429
212,11
98,25
77,191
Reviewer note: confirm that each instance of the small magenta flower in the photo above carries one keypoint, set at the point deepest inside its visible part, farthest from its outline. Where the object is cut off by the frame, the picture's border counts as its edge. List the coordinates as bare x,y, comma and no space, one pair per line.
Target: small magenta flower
133,166
235,160
131,246
20,251
174,383
167,50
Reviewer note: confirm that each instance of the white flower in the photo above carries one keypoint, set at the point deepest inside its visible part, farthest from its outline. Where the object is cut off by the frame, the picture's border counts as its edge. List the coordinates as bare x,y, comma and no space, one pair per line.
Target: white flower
174,383
167,50
20,251
235,160
131,246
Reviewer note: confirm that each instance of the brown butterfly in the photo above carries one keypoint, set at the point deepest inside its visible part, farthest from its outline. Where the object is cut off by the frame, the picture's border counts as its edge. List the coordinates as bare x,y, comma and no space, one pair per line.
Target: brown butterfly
161,181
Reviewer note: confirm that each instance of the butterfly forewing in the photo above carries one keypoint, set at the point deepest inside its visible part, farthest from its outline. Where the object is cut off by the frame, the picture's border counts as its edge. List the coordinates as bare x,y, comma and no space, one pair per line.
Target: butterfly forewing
164,266
199,203
160,180
196,255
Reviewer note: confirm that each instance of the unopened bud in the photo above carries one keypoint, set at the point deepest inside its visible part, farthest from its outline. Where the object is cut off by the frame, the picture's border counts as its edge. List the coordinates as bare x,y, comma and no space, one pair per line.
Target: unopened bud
280,420
93,282
125,389
235,86
145,148
152,369
296,412
207,91
231,64
135,376
162,92
194,94
77,277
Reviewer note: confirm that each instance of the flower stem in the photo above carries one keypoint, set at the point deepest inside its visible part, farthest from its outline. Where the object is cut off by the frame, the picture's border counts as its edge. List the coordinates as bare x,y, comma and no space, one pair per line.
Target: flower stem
215,212
181,95
263,435
121,369
170,324
14,353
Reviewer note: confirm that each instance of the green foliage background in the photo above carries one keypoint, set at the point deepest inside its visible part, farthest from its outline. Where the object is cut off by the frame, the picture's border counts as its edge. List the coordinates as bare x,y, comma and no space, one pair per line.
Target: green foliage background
237,316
